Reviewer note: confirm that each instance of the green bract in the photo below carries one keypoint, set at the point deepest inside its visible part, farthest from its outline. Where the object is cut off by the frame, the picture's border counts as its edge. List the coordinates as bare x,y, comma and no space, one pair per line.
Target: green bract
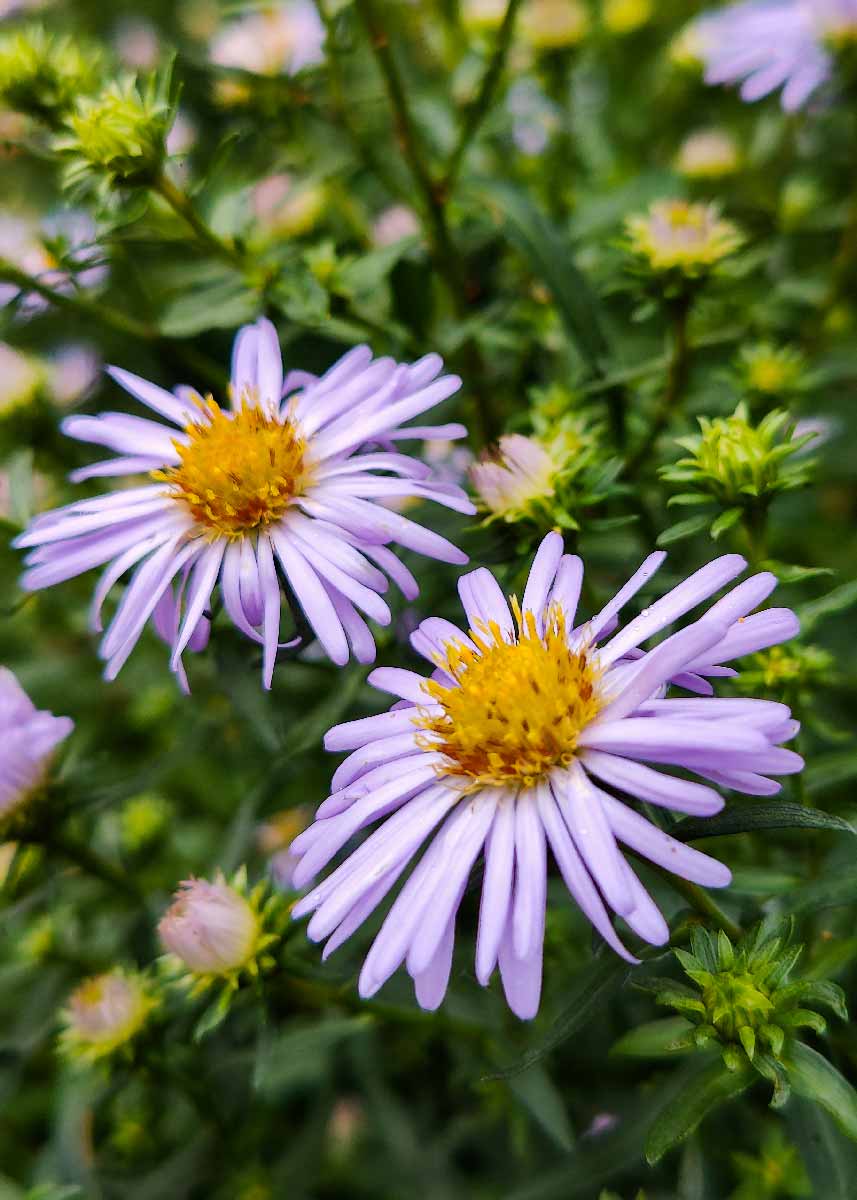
117,137
739,466
743,1002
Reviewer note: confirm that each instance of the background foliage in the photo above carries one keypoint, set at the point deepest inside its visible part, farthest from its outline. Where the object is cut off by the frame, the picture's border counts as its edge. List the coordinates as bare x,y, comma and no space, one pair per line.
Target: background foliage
517,167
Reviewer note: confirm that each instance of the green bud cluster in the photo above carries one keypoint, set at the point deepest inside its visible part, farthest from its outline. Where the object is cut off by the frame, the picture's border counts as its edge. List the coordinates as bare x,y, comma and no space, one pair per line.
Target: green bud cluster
793,670
743,1001
117,138
43,74
739,465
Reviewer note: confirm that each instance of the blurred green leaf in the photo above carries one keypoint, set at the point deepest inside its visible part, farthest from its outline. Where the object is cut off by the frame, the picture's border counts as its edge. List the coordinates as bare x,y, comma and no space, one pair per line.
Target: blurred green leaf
588,993
551,259
815,1078
223,302
656,1039
299,1057
683,529
539,1095
706,1086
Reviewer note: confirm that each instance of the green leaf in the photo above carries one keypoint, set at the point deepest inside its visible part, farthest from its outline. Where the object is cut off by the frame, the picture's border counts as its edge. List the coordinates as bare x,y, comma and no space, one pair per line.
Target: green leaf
829,892
830,1158
551,258
588,993
302,1056
300,296
682,529
656,1039
223,302
708,1086
792,572
817,1079
830,770
738,818
214,1015
724,522
539,1095
836,601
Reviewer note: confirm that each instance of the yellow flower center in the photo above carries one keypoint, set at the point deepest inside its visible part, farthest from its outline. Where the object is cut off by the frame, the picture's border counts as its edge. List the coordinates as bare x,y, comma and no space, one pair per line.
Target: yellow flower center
517,707
239,470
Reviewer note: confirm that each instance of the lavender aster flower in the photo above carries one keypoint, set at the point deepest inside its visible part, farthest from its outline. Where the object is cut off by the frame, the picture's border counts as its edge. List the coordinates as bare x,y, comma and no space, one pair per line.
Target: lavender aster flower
772,44
28,739
504,751
283,478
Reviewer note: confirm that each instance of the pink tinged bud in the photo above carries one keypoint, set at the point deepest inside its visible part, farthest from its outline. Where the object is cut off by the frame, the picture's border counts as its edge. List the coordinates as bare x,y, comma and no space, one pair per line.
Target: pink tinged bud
105,1012
210,927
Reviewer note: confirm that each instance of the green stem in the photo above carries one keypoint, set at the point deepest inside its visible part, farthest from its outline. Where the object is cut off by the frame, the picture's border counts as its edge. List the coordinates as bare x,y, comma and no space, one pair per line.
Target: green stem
755,528
700,900
447,261
673,389
181,204
74,302
343,111
476,112
443,251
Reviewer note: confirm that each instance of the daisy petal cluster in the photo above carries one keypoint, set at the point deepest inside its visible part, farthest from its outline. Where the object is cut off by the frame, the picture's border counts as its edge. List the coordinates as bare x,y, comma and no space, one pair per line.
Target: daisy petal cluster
28,739
774,45
290,478
506,750
673,235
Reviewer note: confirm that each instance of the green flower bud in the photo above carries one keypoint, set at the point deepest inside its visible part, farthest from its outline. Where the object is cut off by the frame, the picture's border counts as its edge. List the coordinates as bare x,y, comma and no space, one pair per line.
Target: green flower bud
43,74
742,999
119,136
735,462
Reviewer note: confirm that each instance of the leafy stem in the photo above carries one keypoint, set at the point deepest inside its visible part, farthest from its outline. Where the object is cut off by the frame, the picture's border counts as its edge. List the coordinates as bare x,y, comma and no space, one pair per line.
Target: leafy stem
75,302
182,205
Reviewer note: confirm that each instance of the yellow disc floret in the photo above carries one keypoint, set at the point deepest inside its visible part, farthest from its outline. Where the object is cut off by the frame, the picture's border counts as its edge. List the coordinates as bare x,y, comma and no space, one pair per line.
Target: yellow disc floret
238,471
517,707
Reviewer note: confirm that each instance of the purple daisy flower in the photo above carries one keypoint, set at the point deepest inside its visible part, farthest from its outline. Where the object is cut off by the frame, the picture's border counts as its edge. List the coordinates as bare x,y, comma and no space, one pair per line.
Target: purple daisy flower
505,750
771,44
28,739
293,476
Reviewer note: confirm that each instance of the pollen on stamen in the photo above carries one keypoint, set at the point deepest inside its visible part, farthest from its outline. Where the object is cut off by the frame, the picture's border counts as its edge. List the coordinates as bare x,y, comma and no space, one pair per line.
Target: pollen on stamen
485,733
239,470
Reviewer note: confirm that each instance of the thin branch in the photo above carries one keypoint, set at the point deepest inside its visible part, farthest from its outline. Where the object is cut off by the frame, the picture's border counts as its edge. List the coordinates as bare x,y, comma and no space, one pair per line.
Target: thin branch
77,303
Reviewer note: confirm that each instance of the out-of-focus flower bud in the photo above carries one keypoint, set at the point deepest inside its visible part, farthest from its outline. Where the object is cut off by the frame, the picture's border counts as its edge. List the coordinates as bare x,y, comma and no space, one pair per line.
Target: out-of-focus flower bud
119,136
708,154
553,24
43,74
679,237
104,1014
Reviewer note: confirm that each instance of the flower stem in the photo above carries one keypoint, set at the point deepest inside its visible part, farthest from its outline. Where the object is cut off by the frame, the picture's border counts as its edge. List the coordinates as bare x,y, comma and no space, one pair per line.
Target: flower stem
181,204
448,263
699,899
83,305
755,527
673,389
476,112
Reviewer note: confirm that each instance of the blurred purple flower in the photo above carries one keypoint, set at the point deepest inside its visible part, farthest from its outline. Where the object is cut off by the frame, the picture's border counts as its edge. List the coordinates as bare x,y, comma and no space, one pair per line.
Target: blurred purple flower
505,748
771,44
283,476
283,37
28,739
